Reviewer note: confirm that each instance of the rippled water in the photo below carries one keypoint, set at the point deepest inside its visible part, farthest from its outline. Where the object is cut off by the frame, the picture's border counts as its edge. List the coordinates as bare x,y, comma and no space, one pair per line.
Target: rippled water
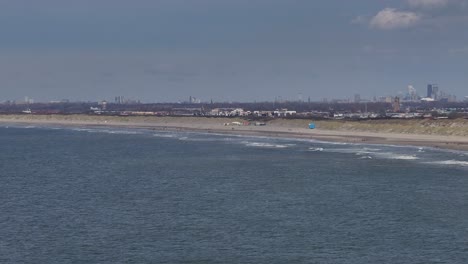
96,195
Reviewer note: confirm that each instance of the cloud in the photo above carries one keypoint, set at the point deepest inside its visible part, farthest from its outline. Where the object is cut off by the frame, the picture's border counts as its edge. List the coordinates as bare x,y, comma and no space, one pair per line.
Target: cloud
428,3
391,18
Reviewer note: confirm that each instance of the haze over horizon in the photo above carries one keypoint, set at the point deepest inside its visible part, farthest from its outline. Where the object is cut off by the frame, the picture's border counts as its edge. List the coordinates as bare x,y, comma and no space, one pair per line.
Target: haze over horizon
230,50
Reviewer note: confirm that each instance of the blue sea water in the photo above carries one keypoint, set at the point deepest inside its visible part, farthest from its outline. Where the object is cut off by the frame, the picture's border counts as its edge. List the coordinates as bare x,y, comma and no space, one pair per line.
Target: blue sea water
100,195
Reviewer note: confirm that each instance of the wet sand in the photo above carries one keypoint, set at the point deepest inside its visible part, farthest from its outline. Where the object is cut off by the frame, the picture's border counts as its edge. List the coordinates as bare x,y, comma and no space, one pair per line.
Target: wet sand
216,125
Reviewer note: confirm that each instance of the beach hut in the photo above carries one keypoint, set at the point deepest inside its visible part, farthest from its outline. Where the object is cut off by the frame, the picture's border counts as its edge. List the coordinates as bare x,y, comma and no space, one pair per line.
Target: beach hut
312,126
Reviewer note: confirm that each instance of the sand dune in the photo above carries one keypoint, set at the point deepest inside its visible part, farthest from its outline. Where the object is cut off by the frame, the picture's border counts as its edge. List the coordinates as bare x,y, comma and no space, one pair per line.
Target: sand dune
451,134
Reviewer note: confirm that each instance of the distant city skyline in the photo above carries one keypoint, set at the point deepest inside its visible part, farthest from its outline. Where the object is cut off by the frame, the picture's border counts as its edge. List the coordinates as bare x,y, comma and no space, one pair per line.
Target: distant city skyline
432,93
230,50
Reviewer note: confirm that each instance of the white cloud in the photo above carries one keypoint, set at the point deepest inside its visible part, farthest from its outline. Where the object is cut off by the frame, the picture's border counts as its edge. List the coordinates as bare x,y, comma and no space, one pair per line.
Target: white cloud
391,18
428,3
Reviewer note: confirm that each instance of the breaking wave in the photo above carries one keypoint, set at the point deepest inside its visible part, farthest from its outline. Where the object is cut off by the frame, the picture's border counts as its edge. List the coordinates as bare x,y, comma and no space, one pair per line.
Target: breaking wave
451,162
264,145
395,156
316,149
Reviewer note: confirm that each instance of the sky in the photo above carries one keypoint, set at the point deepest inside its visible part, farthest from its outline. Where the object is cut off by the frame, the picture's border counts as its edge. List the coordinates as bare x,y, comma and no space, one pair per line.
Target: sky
230,50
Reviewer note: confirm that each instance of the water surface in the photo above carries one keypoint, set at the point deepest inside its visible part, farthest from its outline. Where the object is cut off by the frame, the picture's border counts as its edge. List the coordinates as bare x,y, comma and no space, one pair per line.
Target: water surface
94,195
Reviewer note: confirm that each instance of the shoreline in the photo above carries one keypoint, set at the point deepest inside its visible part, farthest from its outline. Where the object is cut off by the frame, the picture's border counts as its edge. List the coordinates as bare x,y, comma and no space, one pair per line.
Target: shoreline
417,140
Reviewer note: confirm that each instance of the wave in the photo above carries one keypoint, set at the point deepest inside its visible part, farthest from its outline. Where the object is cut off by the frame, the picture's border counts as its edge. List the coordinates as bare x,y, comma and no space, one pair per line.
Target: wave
450,162
164,135
82,129
316,149
122,132
107,131
356,151
264,145
395,156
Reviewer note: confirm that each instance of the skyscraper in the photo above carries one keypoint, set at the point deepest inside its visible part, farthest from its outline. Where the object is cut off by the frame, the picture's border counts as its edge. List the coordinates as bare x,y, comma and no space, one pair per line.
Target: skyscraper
429,90
433,91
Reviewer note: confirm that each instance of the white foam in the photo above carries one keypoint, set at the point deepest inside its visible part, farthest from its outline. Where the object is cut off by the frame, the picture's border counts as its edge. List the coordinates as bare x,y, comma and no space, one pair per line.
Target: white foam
316,149
82,129
121,132
371,149
164,135
390,155
356,151
404,157
360,153
107,131
264,145
451,162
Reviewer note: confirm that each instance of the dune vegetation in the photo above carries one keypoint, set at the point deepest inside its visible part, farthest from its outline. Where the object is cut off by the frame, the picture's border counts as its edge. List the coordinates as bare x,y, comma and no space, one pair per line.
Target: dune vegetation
445,127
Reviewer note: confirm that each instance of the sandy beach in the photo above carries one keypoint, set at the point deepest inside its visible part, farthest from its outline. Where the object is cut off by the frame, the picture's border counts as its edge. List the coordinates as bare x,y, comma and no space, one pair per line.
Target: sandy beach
436,136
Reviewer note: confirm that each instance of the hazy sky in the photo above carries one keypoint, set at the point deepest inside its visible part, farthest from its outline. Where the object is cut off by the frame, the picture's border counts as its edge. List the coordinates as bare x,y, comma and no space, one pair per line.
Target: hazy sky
167,50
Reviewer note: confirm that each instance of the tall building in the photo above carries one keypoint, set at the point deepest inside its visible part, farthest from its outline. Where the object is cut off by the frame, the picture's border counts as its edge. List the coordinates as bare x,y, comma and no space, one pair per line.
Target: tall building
119,100
433,91
396,104
412,94
429,90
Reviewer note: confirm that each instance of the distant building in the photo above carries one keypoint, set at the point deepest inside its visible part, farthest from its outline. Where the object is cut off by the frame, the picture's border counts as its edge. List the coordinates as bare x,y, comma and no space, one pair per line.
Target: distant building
412,94
388,99
445,97
119,100
357,98
396,104
427,99
28,100
433,91
194,100
284,113
103,104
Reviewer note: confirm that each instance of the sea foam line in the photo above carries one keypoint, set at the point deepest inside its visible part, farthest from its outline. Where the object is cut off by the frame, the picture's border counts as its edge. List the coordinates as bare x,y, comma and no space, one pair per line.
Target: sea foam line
450,162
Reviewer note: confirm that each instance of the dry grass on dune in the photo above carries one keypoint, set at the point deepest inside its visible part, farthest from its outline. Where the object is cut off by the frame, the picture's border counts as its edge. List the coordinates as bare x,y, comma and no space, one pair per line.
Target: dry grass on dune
443,127
458,127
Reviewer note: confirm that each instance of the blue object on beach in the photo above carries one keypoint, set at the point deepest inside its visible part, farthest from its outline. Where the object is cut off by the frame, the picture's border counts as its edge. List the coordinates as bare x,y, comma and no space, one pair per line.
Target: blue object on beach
312,126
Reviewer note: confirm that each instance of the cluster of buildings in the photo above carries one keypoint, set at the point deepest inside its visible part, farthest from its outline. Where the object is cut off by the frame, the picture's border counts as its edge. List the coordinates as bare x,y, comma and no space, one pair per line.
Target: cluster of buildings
441,113
239,112
433,94
123,100
409,104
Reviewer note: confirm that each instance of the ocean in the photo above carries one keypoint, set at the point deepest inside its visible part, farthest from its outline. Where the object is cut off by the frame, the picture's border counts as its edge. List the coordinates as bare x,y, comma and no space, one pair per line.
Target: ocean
111,195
